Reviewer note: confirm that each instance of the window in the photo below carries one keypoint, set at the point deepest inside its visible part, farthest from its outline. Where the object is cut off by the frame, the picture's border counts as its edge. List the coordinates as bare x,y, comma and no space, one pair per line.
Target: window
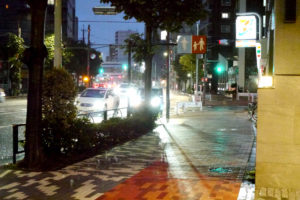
225,28
50,2
225,15
226,2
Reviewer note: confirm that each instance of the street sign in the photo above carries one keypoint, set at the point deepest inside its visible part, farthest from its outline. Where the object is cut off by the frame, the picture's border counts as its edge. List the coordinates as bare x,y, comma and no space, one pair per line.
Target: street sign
199,44
104,10
188,44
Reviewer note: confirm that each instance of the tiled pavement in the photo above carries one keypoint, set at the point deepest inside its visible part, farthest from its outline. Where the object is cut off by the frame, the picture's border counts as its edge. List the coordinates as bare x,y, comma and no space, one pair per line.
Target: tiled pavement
201,155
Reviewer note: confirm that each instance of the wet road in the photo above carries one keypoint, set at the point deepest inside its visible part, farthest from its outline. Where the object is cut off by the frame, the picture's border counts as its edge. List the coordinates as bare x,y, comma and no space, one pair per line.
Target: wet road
12,111
197,155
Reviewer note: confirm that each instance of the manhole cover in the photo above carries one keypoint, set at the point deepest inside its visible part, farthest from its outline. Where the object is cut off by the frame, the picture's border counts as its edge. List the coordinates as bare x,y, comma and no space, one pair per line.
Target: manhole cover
220,170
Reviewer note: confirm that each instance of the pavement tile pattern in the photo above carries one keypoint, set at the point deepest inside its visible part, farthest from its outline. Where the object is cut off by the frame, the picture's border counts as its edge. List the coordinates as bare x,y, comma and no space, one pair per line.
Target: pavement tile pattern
196,156
84,180
155,182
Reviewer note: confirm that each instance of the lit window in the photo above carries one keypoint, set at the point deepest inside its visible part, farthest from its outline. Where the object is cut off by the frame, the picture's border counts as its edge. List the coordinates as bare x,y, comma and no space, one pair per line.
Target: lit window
225,15
50,2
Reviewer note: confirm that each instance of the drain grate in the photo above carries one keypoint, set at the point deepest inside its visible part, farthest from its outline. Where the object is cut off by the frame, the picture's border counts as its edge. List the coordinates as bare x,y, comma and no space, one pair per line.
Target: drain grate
220,170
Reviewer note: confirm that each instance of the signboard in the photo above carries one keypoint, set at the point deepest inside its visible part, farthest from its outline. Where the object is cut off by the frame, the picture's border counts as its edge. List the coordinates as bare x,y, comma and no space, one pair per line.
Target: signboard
245,28
245,43
195,44
104,10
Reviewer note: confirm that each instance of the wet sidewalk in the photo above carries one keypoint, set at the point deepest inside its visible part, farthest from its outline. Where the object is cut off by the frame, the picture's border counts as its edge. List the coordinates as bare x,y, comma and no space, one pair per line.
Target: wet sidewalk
198,155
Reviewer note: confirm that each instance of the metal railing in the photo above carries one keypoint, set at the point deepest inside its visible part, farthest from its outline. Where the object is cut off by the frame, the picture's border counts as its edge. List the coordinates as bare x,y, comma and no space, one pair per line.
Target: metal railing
94,117
103,115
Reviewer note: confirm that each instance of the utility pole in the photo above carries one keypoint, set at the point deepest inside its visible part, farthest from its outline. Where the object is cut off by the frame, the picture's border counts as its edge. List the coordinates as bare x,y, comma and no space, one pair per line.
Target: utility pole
83,30
168,79
57,33
88,56
129,61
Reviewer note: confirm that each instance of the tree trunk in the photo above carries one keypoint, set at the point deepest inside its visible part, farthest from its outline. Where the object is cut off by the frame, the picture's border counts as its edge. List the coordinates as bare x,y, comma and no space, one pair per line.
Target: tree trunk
148,63
34,58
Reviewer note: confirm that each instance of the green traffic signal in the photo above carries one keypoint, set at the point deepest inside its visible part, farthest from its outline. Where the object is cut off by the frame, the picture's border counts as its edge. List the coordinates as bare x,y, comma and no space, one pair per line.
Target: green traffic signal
220,69
101,70
124,67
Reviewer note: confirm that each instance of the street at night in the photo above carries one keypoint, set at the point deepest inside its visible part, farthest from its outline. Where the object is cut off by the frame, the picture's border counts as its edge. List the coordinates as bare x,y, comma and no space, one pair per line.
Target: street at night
149,100
197,155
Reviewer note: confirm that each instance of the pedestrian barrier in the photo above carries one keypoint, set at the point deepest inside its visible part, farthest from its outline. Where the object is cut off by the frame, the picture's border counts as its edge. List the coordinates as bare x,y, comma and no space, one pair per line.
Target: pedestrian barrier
185,105
251,96
97,117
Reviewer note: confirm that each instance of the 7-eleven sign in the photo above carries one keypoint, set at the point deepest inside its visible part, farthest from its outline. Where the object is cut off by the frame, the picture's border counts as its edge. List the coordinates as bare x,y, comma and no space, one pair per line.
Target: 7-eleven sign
199,44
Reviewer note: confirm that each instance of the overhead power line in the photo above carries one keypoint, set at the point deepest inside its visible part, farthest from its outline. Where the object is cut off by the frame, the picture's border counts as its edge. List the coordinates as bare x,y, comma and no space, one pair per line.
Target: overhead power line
103,21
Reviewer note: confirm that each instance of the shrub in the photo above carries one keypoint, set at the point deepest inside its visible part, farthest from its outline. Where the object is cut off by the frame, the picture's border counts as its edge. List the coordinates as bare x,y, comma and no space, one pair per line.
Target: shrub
58,109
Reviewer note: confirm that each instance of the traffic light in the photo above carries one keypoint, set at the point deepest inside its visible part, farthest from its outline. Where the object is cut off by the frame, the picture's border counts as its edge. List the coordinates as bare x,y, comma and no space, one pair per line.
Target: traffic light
86,79
101,70
219,69
124,67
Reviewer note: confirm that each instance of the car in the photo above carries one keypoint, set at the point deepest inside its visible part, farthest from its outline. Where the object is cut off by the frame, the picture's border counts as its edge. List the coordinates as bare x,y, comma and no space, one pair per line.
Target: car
126,89
97,99
2,95
156,102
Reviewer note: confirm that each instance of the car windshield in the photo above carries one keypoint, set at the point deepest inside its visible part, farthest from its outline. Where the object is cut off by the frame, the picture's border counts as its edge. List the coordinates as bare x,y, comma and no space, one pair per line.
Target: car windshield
154,92
124,86
93,93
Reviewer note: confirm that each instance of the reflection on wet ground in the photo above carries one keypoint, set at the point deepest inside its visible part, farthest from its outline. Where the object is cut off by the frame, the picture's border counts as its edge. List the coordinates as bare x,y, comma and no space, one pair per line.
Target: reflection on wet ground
198,156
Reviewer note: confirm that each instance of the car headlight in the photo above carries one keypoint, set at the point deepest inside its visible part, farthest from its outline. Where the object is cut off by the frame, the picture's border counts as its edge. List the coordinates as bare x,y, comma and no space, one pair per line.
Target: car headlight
155,101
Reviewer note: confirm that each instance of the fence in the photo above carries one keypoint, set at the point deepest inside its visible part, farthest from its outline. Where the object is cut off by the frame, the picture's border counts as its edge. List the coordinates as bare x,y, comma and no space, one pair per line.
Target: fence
12,137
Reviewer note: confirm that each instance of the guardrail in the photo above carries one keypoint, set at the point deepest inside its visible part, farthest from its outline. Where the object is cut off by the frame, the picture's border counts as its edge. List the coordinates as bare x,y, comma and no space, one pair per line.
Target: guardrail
97,117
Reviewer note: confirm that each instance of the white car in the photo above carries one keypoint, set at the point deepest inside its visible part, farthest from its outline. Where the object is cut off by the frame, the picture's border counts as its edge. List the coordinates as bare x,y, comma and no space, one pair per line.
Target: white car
97,99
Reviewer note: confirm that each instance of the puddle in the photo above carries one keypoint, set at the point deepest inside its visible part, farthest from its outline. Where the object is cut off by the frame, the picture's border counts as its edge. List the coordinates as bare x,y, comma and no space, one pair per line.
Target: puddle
220,170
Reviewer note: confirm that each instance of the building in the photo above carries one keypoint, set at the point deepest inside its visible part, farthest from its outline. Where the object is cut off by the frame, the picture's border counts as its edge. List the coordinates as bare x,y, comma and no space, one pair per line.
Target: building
278,125
15,18
120,37
69,20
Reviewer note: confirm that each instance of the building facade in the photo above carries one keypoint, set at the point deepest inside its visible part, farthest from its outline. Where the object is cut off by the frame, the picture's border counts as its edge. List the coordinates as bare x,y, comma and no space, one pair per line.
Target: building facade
120,37
278,127
69,20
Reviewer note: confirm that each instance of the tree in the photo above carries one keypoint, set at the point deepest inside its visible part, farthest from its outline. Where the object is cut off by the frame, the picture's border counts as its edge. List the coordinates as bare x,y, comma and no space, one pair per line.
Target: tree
138,47
78,60
34,58
66,53
166,15
15,49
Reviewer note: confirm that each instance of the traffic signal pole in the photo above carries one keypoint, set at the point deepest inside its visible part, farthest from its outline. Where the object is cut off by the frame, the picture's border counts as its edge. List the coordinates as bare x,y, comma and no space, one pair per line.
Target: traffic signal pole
129,62
168,80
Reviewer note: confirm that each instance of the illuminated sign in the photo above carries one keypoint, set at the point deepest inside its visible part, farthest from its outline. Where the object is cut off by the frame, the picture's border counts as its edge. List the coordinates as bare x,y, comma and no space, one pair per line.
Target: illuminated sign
245,28
195,44
245,43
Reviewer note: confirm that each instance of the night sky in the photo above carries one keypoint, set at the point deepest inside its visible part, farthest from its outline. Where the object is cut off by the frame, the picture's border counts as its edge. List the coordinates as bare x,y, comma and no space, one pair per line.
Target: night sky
102,32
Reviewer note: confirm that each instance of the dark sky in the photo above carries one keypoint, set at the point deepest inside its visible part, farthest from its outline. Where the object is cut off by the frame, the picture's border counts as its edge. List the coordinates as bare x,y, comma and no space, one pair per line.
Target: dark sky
102,32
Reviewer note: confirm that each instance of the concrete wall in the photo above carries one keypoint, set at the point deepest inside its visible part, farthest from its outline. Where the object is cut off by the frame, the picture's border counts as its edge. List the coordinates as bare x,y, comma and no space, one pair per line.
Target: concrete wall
278,131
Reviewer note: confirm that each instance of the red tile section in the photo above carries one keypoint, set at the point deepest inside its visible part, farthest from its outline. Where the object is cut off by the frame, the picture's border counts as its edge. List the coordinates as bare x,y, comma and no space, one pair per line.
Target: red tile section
155,182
